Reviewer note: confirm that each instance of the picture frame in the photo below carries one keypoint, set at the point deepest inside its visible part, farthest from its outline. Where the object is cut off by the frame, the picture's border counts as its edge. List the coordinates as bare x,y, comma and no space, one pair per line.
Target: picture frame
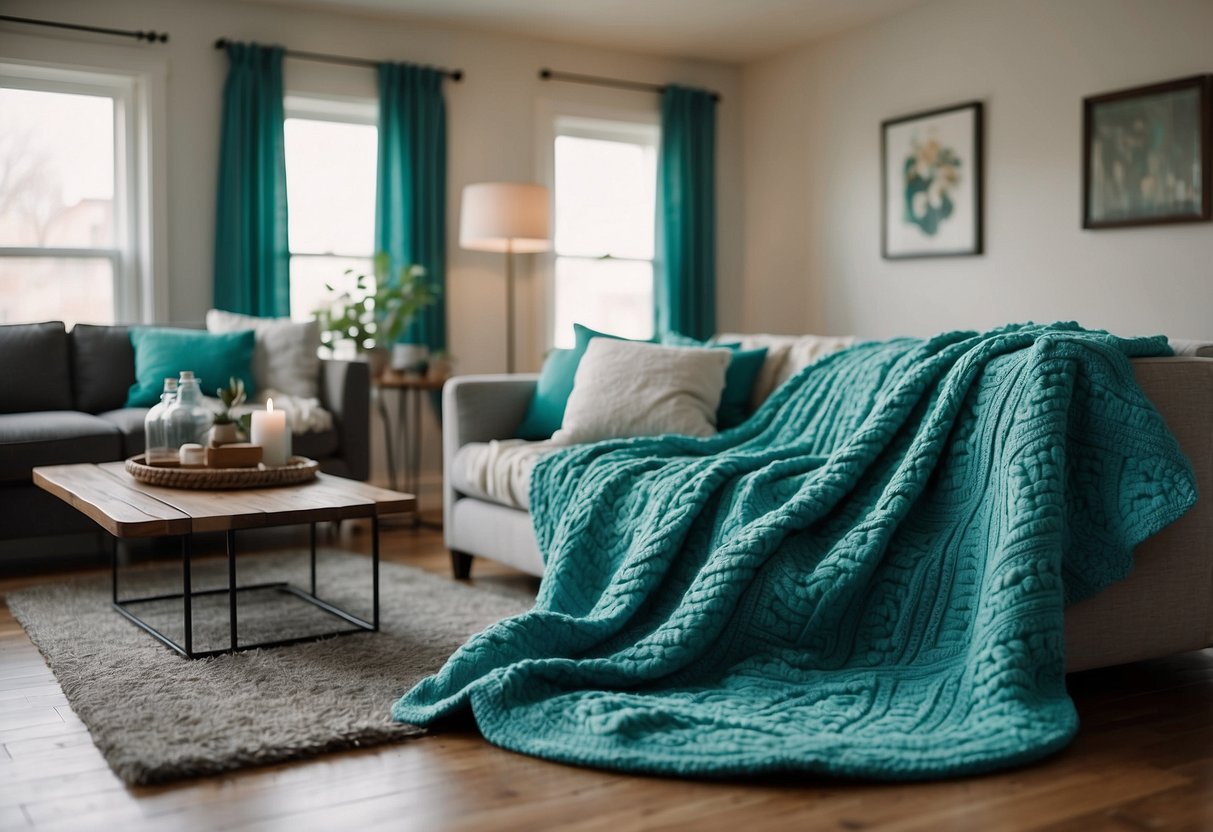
932,174
1145,155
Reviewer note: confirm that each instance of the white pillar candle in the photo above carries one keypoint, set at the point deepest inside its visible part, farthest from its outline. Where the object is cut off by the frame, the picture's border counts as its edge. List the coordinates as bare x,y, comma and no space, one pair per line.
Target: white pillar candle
270,432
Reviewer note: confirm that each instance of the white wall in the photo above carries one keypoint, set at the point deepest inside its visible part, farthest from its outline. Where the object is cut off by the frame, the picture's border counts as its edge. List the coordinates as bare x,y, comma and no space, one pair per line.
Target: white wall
491,133
812,144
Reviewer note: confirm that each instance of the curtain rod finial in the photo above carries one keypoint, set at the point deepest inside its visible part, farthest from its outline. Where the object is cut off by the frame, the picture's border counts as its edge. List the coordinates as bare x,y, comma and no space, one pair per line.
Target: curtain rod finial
220,43
457,75
545,73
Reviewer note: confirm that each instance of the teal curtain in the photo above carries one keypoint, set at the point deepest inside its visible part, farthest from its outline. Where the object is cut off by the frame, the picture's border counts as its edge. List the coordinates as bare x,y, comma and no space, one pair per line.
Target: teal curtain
686,283
410,211
252,258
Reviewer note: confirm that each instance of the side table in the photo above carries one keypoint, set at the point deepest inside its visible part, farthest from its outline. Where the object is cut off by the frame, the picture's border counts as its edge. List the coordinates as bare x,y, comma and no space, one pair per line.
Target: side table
406,456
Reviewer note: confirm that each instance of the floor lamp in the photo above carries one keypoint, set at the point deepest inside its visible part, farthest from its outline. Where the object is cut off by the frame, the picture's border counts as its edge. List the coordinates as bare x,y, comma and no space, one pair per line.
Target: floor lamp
509,217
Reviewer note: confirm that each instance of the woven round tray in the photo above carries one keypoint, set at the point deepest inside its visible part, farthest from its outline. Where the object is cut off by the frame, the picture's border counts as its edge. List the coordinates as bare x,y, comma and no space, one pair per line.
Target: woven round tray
297,469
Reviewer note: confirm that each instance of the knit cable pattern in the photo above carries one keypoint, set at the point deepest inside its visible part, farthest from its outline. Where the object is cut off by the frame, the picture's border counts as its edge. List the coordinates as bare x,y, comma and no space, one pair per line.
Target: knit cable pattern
866,578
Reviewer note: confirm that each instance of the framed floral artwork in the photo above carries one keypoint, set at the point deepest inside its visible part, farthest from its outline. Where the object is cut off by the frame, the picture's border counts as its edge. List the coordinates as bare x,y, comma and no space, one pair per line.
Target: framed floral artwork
1146,155
931,178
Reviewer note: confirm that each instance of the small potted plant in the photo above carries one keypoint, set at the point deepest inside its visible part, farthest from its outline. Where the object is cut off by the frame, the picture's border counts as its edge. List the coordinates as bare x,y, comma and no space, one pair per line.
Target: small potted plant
376,311
226,427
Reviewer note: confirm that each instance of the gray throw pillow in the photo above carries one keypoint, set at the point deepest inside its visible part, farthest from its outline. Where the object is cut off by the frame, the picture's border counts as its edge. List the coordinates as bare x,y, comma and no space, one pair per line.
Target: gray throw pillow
103,367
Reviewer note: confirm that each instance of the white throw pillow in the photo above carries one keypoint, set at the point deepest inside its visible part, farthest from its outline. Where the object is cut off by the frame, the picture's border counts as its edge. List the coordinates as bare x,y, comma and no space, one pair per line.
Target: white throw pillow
285,353
632,388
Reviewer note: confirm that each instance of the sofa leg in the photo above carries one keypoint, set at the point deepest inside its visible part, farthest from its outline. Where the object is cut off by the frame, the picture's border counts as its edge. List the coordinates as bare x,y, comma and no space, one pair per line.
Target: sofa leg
461,565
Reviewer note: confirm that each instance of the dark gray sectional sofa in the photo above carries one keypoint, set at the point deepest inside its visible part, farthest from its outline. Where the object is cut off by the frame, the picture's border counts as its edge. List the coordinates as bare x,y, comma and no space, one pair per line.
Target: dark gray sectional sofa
62,398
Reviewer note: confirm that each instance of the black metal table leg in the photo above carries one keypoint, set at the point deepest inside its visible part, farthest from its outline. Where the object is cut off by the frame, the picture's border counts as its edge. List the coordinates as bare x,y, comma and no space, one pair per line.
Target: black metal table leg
231,585
313,550
375,572
188,595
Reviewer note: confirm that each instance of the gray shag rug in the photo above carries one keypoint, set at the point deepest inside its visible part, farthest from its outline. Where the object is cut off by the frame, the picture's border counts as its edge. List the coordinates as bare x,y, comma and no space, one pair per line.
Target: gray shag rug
159,717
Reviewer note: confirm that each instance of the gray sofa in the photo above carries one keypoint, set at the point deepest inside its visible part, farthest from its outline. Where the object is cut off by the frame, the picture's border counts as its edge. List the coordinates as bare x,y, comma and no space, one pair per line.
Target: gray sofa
1164,607
62,398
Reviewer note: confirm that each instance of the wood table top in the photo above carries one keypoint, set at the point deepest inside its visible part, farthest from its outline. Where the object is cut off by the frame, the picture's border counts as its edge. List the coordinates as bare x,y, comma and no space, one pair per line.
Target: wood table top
401,381
125,507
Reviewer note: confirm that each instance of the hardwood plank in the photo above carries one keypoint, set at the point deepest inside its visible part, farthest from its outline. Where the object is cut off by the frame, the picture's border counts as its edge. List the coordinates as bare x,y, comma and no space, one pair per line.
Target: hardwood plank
49,729
12,817
20,749
28,717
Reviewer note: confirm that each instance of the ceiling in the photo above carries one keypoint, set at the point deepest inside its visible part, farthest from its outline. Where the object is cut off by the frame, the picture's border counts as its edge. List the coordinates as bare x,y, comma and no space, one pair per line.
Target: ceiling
733,31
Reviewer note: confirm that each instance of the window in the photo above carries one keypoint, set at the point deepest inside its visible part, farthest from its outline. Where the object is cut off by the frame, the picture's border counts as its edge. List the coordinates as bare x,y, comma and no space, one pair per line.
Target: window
331,149
68,178
605,177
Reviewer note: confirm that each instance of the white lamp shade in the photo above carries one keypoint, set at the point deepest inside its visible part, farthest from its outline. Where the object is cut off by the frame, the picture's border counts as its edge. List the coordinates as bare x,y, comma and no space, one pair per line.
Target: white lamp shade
505,216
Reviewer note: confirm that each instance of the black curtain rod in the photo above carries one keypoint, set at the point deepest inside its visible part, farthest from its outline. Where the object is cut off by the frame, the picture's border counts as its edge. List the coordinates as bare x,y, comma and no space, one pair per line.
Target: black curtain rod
149,35
598,81
453,74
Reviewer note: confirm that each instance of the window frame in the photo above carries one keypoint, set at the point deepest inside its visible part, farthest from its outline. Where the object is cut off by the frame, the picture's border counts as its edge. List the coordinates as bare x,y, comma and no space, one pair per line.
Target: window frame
590,121
134,295
338,110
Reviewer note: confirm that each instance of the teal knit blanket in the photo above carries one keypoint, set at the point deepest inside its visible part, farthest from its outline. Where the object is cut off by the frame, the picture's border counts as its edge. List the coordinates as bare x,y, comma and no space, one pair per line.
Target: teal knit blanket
866,578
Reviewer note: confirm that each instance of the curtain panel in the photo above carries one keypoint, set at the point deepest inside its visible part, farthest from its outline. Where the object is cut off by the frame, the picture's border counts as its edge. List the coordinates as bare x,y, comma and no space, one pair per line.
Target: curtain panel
410,211
252,257
686,283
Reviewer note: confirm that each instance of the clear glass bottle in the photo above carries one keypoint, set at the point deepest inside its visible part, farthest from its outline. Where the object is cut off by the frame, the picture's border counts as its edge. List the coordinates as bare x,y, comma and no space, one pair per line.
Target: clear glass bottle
188,418
155,433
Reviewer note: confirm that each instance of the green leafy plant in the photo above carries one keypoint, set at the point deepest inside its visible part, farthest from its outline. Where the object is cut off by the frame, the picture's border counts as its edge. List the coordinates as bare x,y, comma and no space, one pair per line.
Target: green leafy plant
376,311
231,396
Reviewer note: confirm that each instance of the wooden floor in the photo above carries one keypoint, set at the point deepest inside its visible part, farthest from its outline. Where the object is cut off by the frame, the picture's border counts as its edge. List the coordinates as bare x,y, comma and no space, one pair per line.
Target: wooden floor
1143,761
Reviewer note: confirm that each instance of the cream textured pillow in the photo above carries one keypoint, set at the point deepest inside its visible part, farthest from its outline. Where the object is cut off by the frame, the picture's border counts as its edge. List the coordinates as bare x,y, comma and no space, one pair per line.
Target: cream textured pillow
284,355
632,388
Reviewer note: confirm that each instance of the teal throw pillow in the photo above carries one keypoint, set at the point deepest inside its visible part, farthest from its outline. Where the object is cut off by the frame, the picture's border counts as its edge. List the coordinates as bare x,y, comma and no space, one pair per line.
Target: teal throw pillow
162,353
546,410
738,385
738,379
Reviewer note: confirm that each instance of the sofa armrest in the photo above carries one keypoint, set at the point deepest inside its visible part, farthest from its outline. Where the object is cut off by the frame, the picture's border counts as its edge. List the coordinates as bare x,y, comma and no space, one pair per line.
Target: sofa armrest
479,409
345,391
1165,606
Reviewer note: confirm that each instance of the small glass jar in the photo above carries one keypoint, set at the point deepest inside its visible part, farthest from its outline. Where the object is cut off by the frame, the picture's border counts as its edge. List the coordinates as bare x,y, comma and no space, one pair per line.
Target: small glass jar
155,431
188,419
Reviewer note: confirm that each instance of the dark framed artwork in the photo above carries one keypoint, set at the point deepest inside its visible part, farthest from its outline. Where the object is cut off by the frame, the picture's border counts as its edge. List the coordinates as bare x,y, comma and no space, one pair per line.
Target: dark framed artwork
931,183
1146,155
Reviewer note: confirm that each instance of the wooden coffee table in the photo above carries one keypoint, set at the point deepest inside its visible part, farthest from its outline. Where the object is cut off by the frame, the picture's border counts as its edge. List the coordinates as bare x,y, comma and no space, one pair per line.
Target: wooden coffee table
129,509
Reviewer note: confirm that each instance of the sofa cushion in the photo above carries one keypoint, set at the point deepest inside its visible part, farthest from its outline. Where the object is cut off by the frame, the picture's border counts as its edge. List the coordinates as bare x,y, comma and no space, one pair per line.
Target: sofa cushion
55,437
129,422
162,353
34,370
738,379
498,471
103,366
786,356
631,388
285,354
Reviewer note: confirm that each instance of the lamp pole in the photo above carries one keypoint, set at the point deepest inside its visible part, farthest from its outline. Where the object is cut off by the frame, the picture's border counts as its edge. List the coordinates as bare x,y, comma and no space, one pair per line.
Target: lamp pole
509,305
